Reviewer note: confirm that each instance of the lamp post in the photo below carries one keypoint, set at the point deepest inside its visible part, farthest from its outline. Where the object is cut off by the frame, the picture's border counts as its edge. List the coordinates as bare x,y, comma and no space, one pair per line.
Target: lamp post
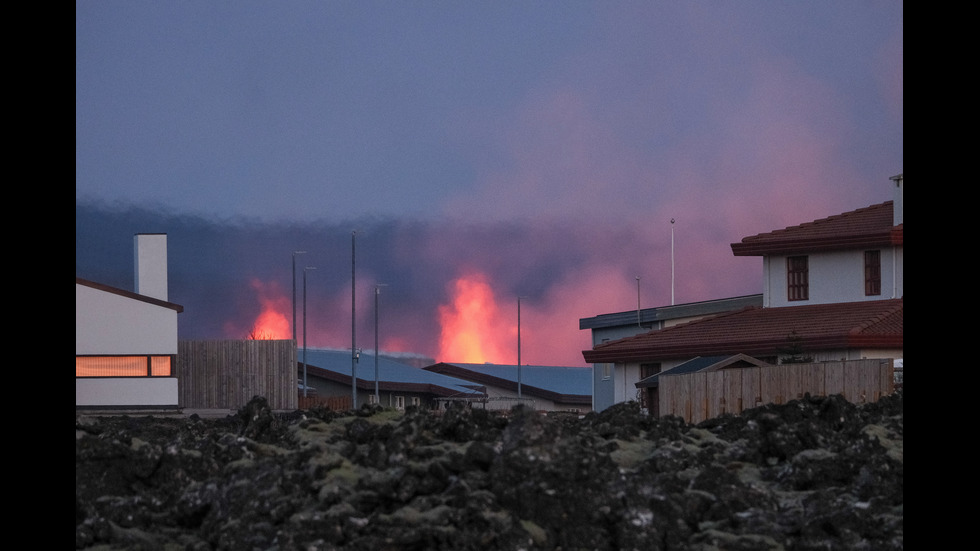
638,324
294,291
306,269
519,390
353,325
377,300
672,261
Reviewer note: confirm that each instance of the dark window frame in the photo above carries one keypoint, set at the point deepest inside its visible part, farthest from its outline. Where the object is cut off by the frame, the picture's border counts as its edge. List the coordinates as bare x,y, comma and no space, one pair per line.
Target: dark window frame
872,273
797,278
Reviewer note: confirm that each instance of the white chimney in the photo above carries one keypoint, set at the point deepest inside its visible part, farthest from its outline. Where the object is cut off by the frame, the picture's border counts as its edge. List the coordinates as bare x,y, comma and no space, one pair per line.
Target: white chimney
150,254
898,203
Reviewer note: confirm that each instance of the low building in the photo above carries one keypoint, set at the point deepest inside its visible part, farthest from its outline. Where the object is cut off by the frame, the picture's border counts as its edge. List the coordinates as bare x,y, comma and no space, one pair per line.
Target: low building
610,386
543,388
328,374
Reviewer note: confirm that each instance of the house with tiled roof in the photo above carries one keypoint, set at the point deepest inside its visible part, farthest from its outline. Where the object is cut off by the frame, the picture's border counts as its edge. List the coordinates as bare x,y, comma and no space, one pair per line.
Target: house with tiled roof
850,257
539,387
611,387
832,290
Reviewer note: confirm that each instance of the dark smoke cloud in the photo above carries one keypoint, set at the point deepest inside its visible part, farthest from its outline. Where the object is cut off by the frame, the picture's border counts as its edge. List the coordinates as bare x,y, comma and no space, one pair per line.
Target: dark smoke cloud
566,270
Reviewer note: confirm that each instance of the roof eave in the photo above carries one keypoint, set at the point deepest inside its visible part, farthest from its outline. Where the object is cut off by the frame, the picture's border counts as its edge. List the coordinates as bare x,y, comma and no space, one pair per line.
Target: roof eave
889,238
762,347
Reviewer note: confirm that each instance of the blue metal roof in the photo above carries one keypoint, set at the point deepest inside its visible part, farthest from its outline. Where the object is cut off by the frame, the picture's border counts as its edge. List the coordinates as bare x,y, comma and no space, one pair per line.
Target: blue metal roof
571,381
389,371
664,313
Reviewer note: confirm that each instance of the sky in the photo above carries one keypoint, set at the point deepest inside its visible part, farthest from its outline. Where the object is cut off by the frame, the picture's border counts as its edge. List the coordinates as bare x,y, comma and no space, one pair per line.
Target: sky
465,154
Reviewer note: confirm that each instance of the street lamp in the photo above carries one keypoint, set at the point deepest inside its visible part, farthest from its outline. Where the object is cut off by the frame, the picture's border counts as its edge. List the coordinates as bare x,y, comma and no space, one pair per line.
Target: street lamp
638,324
672,261
353,325
377,299
519,393
306,269
294,291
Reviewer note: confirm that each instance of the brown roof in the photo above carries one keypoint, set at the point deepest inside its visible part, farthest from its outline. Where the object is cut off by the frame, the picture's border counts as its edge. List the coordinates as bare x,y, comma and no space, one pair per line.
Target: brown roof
128,294
765,331
867,227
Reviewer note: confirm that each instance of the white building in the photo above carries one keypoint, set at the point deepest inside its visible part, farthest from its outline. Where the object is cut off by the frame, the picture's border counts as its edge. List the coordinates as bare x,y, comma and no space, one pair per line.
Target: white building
851,257
126,342
833,289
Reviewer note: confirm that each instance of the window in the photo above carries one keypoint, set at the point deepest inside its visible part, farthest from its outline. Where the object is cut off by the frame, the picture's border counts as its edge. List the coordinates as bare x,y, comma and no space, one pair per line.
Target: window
399,402
872,273
372,399
606,371
416,401
797,278
123,366
647,370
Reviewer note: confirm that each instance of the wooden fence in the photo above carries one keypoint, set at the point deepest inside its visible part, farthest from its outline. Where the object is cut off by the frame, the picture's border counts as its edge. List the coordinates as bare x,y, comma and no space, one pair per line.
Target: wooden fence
335,403
699,396
226,374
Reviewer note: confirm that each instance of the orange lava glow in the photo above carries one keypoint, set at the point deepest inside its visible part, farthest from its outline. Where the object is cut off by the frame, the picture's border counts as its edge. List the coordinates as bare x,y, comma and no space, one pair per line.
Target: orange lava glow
273,322
472,328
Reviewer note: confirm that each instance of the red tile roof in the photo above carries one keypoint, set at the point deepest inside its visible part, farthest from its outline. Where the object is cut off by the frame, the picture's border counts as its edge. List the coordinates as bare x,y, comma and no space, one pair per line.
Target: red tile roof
867,227
765,331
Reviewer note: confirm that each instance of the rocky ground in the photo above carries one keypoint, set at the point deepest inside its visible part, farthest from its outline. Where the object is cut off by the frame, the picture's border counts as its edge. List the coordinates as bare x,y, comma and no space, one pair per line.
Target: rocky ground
814,474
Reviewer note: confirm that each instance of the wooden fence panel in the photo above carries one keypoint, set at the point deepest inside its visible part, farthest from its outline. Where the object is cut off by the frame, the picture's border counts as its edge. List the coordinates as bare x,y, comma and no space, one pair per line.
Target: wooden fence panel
335,403
834,378
675,397
852,384
733,390
700,396
226,374
886,380
812,380
716,397
751,388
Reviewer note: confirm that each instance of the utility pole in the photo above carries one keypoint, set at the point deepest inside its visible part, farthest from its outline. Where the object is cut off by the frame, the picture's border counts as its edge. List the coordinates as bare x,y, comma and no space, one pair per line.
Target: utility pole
638,324
308,268
519,390
671,261
294,291
353,325
377,352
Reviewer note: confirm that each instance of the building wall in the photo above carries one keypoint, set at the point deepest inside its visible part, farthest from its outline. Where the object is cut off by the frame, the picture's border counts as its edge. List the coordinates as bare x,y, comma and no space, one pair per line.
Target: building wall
388,398
834,277
126,392
503,399
842,355
603,386
111,324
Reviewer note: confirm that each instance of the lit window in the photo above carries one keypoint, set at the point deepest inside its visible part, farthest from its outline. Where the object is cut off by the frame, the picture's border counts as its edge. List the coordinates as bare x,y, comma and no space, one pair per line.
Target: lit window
797,278
123,366
872,273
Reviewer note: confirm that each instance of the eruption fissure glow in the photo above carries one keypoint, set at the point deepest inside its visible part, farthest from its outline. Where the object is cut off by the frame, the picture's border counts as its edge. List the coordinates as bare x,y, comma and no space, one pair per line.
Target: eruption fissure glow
271,322
472,328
